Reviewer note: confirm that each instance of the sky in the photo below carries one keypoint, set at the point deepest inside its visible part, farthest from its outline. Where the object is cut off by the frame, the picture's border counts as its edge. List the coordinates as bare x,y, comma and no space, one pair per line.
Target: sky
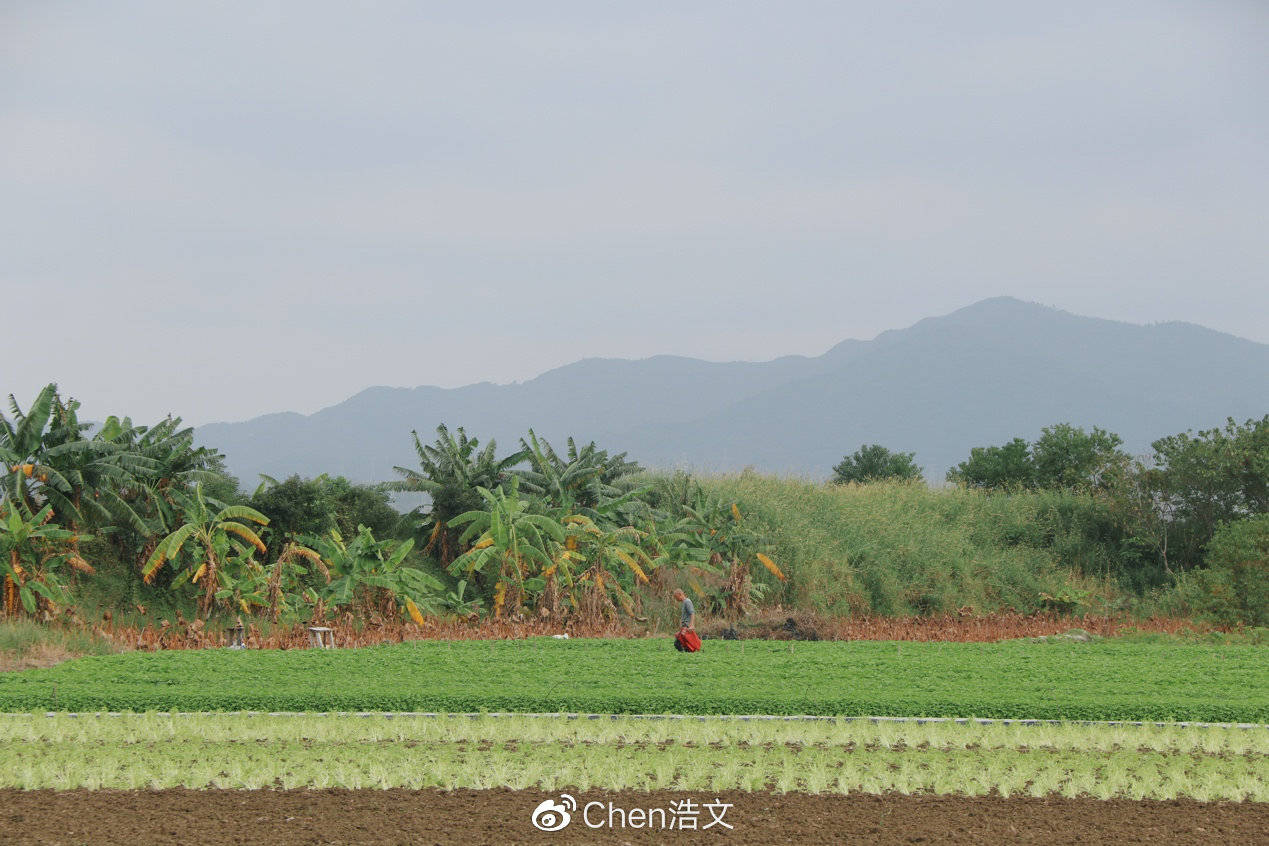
221,210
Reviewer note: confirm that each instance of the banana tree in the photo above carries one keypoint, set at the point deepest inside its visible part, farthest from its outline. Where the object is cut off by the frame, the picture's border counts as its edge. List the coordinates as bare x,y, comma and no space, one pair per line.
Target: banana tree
612,562
276,589
204,537
579,481
34,553
172,464
48,458
373,575
86,475
711,538
508,540
451,472
22,446
457,601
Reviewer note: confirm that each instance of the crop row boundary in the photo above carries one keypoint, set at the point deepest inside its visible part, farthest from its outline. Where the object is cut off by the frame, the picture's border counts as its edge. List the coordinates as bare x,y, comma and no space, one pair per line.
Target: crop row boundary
982,721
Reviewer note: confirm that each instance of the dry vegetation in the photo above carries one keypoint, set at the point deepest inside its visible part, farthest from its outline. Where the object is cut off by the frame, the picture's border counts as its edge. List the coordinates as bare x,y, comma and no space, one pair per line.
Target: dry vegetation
55,645
40,655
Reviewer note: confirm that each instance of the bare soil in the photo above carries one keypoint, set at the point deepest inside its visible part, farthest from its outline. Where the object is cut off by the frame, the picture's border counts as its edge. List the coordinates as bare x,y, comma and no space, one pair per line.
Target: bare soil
502,817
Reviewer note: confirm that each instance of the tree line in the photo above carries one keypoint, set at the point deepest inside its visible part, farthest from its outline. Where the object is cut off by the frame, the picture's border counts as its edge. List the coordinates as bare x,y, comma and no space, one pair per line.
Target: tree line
557,533
539,532
1196,508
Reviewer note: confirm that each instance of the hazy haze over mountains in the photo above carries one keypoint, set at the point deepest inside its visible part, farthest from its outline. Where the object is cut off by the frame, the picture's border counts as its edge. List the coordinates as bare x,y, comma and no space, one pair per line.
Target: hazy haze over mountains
237,208
986,373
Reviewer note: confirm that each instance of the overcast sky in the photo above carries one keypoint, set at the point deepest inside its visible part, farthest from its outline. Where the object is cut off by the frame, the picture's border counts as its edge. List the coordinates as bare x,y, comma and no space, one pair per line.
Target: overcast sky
227,209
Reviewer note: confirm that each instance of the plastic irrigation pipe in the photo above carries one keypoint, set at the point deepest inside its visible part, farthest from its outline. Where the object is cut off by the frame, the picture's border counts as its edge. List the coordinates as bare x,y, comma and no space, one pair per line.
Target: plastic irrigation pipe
699,717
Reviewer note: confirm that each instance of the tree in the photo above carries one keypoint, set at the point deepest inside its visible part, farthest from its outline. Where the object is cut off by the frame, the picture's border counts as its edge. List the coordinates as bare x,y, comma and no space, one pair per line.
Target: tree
1233,587
360,505
178,465
874,462
299,506
1065,456
580,480
278,589
1144,517
607,557
504,534
372,574
52,461
711,539
33,551
1009,465
294,507
163,466
451,472
210,531
22,448
1202,480
98,470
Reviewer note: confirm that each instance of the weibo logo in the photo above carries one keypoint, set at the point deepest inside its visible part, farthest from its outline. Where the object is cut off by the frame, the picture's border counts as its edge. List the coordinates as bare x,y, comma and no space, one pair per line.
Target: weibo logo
553,816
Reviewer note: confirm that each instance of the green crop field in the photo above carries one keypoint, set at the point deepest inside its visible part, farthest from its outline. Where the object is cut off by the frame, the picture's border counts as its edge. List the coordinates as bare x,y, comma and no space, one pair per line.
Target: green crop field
1102,680
147,751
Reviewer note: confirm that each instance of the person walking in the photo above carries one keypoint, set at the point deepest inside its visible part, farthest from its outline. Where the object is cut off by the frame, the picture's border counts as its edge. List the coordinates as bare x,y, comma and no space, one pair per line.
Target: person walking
686,640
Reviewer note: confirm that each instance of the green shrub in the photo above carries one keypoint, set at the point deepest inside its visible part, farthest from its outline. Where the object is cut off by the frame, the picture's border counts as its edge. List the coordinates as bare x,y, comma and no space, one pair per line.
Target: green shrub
1234,586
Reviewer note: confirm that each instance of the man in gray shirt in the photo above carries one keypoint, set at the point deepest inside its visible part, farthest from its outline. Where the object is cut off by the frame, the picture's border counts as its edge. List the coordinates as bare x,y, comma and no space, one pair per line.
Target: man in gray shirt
687,617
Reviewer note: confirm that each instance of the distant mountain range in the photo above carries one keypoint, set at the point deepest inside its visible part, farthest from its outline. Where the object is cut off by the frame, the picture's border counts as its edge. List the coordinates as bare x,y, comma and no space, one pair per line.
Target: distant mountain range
982,375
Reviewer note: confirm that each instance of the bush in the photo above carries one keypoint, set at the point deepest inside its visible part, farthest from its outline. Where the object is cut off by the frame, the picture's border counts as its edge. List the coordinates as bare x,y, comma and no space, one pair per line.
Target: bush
1008,466
1234,586
874,462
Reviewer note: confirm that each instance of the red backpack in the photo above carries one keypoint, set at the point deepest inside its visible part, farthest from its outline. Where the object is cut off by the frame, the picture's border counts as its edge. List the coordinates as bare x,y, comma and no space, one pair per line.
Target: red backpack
688,641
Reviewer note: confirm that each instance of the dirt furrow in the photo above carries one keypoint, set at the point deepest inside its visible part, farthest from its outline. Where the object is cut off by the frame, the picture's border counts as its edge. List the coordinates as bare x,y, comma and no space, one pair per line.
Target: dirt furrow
503,817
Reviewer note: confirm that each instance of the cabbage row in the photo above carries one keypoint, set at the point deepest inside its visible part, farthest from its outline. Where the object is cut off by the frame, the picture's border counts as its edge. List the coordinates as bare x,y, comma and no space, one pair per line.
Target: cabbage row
1104,680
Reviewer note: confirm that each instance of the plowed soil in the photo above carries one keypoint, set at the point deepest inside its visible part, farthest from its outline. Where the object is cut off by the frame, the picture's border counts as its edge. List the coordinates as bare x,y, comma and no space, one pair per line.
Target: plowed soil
502,817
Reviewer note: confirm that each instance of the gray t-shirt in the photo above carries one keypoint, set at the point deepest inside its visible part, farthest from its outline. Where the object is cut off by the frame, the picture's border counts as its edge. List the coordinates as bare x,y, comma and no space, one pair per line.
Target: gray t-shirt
688,610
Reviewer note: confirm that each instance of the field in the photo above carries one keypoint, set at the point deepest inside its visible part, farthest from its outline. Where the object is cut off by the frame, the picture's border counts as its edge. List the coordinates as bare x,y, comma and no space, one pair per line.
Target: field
1103,680
306,778
150,751
180,761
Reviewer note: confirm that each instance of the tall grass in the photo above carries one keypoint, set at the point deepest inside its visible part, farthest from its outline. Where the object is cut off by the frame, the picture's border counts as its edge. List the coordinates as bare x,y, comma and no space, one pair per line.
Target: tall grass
907,549
26,643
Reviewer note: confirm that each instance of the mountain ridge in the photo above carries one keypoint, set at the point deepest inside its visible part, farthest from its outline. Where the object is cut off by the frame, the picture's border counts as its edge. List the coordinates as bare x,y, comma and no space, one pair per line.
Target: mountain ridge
981,374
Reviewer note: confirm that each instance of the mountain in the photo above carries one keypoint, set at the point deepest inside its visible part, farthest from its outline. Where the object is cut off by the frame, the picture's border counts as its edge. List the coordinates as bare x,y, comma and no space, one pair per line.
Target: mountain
982,375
